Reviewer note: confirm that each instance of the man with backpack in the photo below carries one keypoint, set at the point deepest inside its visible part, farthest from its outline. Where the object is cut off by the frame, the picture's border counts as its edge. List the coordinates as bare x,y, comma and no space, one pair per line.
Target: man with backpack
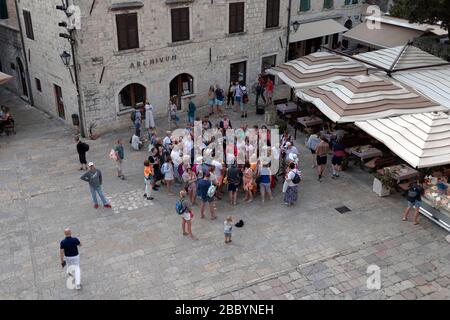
415,193
220,97
82,148
184,209
291,183
205,190
243,102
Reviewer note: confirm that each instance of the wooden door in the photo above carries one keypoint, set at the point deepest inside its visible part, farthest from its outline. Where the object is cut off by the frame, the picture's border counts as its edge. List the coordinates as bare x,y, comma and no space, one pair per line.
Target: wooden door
59,102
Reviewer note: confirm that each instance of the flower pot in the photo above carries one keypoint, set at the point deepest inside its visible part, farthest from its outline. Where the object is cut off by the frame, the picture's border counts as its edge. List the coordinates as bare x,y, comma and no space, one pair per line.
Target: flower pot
380,189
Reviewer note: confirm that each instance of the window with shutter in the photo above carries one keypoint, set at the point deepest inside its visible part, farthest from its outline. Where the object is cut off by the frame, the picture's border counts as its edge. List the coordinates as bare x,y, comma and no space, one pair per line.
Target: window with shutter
3,9
272,13
328,4
305,5
236,17
180,24
127,31
28,24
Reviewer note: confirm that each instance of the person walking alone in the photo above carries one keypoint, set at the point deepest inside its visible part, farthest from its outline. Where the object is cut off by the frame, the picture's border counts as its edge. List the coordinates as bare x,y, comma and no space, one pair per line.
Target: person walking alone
82,148
68,251
120,156
414,197
321,155
313,142
191,111
94,178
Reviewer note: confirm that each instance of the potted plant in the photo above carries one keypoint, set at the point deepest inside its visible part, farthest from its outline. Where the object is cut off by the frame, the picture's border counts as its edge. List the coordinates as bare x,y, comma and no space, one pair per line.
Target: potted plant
383,183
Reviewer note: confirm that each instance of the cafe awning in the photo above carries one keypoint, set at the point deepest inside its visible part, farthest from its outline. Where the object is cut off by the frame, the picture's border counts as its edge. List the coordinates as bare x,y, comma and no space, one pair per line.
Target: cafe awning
403,57
433,83
316,29
422,140
317,68
4,78
366,97
387,36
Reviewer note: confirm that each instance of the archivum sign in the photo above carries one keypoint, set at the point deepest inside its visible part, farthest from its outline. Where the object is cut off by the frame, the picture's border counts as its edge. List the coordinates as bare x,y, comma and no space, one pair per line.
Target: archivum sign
152,61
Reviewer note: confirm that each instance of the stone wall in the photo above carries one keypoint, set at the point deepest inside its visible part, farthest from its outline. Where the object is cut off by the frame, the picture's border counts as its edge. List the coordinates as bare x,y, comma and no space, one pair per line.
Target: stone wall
10,50
45,63
206,56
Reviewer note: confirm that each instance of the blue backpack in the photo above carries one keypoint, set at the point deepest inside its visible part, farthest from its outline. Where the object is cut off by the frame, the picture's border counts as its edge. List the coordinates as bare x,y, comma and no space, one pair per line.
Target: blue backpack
179,208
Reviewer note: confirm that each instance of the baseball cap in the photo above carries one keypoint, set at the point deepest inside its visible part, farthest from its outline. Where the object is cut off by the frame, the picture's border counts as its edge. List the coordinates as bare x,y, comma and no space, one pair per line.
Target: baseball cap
90,164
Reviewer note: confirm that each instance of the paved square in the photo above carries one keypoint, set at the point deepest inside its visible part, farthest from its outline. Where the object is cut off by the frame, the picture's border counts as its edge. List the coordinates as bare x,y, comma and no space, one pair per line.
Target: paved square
137,251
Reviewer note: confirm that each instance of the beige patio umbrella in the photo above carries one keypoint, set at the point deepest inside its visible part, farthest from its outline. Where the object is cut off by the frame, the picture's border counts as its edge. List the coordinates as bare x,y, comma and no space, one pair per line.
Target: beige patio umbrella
422,140
317,68
366,97
4,78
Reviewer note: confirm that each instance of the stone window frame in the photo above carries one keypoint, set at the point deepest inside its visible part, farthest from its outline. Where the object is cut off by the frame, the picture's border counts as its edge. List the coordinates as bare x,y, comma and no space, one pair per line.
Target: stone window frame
170,7
141,27
227,22
265,16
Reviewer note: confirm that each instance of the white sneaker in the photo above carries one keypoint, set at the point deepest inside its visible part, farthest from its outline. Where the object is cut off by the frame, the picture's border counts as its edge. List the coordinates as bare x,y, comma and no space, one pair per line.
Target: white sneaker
78,287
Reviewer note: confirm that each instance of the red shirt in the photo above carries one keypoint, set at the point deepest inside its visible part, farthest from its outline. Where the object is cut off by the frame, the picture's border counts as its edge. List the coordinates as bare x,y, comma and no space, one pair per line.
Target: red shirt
270,85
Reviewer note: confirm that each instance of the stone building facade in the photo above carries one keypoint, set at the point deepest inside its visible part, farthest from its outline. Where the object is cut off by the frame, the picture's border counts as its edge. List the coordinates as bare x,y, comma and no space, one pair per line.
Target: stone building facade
107,75
317,22
156,67
12,60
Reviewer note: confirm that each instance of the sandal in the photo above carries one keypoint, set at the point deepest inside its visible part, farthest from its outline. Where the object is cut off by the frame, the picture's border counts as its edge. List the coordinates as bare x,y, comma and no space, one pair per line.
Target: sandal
404,219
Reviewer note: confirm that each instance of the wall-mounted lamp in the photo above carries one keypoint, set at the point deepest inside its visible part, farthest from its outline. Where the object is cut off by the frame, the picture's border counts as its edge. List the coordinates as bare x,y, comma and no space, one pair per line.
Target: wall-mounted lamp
296,25
65,57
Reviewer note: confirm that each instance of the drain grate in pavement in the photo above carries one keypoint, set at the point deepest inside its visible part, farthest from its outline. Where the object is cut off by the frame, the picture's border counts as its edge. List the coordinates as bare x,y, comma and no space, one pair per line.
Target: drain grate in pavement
343,209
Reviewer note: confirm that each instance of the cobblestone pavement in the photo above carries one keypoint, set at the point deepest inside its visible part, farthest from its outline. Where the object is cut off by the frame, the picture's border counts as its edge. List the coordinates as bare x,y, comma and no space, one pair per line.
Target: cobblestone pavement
137,251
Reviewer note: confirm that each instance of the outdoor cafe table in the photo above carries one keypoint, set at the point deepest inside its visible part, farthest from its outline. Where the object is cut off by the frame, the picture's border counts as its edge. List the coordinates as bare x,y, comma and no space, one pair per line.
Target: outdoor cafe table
329,135
309,121
400,172
364,152
288,107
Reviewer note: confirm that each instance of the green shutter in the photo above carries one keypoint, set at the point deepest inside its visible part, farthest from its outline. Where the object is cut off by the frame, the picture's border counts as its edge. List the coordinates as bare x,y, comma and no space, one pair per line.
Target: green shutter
3,10
328,4
347,2
305,5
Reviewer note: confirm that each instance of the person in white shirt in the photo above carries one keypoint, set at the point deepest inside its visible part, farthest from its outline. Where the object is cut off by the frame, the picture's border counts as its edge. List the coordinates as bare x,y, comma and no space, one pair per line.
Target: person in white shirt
168,172
290,187
149,119
136,143
167,141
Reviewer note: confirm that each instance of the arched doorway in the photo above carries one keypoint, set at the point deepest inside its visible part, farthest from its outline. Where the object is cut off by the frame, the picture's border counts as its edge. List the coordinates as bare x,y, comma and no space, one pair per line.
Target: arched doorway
181,85
132,95
22,77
